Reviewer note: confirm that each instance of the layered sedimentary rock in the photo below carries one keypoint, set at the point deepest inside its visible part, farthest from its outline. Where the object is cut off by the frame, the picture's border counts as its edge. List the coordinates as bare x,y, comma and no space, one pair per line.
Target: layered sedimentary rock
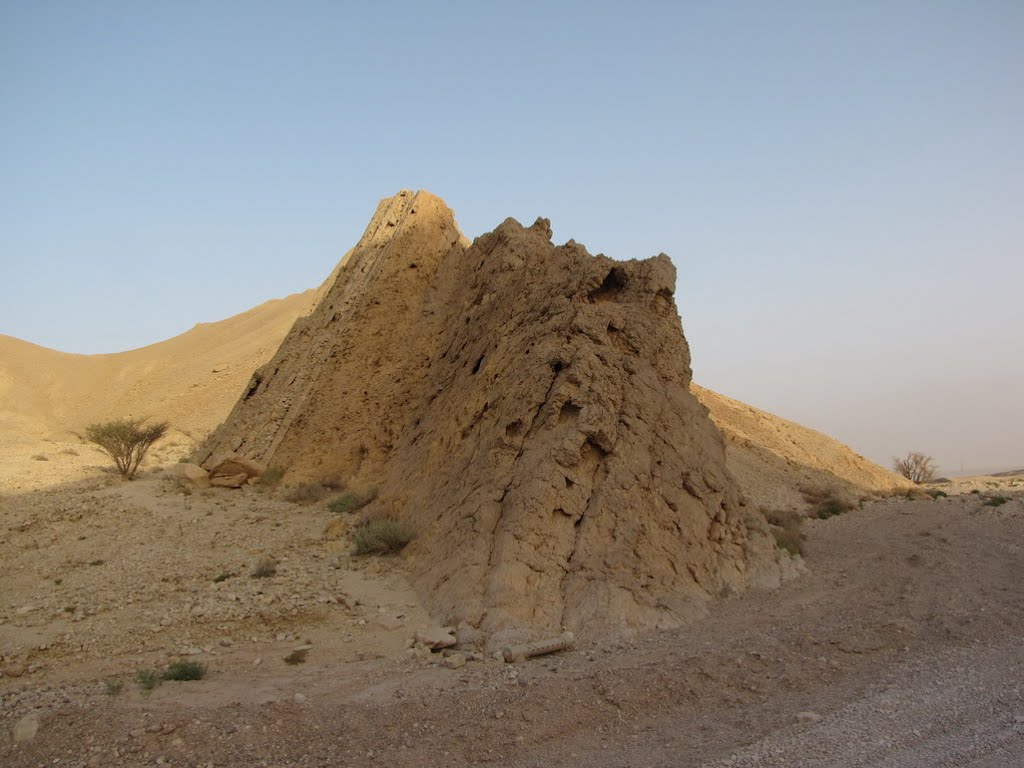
525,407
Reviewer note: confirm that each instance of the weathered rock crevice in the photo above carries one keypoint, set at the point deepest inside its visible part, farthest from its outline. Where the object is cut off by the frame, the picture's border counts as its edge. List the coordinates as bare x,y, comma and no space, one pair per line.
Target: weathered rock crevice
526,407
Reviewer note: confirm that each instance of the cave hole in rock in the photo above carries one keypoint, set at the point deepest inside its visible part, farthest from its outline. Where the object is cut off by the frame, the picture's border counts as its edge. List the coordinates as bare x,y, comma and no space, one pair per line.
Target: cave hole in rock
612,285
568,411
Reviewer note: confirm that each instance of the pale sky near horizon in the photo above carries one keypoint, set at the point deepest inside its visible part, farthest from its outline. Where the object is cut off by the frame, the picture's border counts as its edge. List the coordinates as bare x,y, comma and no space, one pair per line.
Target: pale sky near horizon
840,185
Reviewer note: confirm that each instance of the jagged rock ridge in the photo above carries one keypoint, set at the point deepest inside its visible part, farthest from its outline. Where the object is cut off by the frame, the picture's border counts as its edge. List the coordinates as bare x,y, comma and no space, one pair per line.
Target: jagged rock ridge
527,408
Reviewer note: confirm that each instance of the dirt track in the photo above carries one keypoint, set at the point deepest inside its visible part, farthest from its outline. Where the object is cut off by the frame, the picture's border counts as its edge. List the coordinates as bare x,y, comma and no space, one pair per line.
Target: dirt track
904,641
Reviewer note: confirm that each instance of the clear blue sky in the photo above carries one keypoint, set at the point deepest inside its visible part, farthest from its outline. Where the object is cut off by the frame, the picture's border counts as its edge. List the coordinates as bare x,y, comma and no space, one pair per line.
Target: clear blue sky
840,184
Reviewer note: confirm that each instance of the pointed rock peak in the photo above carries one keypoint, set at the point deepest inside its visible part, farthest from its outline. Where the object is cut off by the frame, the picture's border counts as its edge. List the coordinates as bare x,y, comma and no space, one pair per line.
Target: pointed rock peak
525,408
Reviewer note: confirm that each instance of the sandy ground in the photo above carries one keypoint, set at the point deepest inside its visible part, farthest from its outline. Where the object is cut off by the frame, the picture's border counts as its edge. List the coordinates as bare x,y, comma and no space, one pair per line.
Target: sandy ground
901,647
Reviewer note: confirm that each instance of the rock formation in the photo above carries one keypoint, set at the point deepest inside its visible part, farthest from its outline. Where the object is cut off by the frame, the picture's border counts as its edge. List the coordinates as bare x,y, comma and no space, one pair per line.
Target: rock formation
526,407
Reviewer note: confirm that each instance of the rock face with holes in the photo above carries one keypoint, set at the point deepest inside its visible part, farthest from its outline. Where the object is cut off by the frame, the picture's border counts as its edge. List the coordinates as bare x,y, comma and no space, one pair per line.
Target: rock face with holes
526,407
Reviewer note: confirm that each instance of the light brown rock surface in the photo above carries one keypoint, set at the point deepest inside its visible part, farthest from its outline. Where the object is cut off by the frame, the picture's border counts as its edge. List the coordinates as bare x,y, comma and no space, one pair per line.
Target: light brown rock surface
527,409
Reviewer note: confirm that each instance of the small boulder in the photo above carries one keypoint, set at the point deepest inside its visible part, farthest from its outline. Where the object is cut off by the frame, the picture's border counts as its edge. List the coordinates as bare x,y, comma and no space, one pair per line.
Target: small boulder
435,638
455,661
26,728
229,481
229,463
191,474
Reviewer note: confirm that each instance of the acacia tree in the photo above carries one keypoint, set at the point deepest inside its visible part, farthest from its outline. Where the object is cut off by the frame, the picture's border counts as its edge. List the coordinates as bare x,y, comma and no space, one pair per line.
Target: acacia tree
916,467
125,441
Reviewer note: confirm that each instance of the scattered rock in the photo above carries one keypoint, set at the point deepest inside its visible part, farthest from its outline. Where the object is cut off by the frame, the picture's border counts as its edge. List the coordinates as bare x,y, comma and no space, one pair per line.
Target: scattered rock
387,623
455,661
26,728
229,481
435,638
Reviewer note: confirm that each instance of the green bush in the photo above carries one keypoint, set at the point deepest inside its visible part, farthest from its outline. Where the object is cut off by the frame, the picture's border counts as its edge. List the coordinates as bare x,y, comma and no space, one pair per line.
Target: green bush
381,537
826,503
148,679
184,670
350,501
126,441
995,501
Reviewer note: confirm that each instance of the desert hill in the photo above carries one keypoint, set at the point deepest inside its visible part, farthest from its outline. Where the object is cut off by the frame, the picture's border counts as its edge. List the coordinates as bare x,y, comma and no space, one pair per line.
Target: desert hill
191,380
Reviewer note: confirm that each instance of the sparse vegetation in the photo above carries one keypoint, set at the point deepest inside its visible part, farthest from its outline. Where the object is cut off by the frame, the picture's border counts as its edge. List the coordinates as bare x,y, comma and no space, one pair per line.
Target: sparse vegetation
307,493
995,501
223,577
351,501
148,679
126,441
935,493
916,467
114,687
826,503
265,568
39,457
786,526
298,656
69,452
334,482
382,537
272,477
184,670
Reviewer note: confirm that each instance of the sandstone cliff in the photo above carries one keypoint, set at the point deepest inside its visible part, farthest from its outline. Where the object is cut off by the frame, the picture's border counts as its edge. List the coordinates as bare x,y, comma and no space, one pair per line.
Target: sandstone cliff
526,408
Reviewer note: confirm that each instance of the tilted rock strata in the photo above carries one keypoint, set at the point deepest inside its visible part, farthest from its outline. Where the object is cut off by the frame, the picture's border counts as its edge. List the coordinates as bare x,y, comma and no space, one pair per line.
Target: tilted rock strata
527,408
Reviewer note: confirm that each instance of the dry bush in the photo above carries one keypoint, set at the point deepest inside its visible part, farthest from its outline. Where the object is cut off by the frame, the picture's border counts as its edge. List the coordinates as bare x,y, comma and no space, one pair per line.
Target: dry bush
382,537
272,477
786,526
826,503
307,493
916,467
265,568
350,501
126,441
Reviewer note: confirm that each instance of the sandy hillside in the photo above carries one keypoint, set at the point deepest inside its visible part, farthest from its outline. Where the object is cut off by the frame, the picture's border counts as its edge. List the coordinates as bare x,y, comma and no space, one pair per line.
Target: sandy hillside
774,459
191,380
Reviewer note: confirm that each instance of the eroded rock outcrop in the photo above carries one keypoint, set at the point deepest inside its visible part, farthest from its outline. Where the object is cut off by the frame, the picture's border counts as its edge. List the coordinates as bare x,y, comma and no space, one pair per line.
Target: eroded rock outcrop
526,407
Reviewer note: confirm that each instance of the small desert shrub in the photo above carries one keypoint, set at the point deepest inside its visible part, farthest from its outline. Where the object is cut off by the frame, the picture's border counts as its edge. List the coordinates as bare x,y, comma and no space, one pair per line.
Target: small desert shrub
69,452
786,526
333,482
265,568
184,670
114,687
916,467
272,477
307,493
148,679
935,493
223,577
39,457
826,503
126,441
975,490
382,537
297,656
350,501
995,501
